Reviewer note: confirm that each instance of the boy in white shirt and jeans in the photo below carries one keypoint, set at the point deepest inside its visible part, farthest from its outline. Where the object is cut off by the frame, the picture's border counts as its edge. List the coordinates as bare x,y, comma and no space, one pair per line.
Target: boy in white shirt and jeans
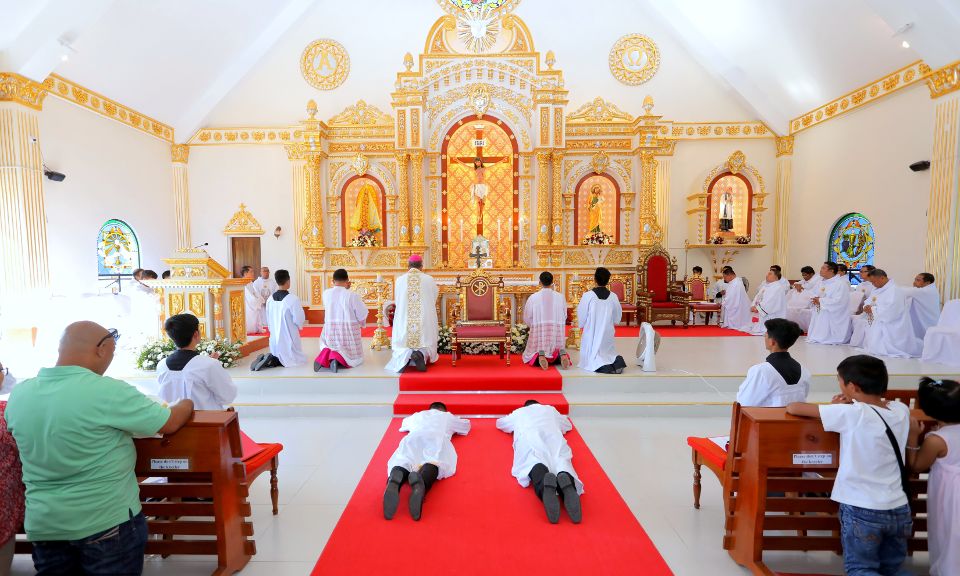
875,519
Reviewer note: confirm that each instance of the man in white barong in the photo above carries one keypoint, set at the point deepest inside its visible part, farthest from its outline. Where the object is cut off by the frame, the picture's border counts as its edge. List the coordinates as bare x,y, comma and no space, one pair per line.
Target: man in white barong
597,314
735,310
416,330
779,379
189,374
542,457
265,285
254,303
799,305
545,313
344,314
770,301
890,330
858,320
924,304
285,318
425,455
830,323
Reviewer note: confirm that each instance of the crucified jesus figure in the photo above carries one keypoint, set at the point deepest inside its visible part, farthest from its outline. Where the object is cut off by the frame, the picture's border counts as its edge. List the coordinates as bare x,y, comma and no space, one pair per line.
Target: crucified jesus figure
479,189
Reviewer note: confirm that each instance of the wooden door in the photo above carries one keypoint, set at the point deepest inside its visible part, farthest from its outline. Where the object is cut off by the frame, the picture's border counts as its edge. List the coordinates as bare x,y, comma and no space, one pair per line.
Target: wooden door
245,251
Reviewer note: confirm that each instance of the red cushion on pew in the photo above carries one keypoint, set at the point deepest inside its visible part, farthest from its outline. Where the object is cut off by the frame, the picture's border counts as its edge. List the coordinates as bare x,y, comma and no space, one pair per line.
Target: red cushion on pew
266,454
710,451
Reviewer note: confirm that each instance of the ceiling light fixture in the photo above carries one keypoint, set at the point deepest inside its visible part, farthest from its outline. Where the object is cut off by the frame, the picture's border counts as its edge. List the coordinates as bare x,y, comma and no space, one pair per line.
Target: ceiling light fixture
65,49
905,44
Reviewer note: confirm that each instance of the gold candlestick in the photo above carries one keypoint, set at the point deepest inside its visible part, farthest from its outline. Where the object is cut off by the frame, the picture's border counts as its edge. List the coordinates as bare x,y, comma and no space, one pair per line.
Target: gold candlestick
573,340
380,339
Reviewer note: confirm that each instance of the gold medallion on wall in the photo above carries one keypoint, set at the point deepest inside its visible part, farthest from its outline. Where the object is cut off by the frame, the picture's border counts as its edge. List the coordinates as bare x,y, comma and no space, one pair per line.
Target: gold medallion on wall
634,59
325,64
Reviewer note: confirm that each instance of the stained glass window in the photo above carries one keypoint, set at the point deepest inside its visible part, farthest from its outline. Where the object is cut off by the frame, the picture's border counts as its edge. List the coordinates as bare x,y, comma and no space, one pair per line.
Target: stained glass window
852,241
118,250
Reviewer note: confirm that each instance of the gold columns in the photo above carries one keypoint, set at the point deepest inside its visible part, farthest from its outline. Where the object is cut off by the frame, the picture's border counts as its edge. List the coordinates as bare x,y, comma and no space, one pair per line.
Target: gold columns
418,222
23,224
301,185
543,198
781,237
649,229
942,254
312,235
663,196
557,218
180,153
403,203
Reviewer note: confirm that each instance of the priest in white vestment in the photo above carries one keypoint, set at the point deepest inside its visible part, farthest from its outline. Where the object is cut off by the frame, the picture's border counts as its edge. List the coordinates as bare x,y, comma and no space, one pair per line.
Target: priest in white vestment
344,314
597,314
780,379
425,455
770,301
858,320
830,323
285,318
735,309
942,342
890,330
265,285
542,457
924,303
416,330
189,374
255,303
799,305
545,314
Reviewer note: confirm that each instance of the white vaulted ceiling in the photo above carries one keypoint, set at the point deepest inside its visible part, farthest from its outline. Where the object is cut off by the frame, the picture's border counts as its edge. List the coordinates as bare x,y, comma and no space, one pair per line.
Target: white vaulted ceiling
196,63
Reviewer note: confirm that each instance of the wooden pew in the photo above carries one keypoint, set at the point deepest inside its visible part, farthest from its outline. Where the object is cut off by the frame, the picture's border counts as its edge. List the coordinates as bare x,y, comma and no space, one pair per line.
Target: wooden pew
205,483
768,451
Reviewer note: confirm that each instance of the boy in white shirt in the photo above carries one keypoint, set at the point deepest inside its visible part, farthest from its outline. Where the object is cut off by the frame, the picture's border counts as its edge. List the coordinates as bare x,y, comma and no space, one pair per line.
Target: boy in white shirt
875,519
779,380
188,374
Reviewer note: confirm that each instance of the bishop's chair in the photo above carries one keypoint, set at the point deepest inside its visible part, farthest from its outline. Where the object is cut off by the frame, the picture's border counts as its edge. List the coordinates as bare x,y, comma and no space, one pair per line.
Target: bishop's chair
656,296
481,315
699,302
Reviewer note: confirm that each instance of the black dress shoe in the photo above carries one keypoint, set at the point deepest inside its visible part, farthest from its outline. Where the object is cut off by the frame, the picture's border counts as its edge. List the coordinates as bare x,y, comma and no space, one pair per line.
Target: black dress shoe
334,366
391,496
317,366
551,500
418,361
571,500
417,491
258,363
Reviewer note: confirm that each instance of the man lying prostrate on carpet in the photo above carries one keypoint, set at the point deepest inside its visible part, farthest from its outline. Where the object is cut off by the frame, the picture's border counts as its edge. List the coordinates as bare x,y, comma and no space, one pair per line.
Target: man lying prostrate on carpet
780,379
416,331
542,457
285,318
735,309
597,314
188,374
344,316
546,314
425,455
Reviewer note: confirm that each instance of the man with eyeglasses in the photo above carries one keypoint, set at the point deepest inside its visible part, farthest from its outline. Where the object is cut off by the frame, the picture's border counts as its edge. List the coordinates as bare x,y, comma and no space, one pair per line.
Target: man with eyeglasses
75,428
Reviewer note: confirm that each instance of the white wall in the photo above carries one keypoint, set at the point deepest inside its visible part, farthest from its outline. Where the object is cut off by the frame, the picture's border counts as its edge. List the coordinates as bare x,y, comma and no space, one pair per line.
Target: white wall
858,163
112,171
258,176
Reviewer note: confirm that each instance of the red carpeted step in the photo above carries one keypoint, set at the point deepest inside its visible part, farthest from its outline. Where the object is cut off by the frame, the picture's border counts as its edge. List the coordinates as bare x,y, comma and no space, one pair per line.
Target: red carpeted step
487,404
696,331
485,372
481,522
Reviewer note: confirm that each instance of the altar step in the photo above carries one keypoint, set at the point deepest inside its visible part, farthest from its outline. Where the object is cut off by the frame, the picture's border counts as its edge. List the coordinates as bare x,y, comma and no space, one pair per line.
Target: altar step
489,404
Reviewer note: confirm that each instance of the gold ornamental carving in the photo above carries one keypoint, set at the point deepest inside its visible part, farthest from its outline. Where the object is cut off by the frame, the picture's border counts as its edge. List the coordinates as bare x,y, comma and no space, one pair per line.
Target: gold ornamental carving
100,104
598,111
736,162
944,80
600,162
22,90
634,59
216,291
478,99
784,145
175,304
325,64
557,216
543,200
360,164
180,153
417,220
243,223
361,114
238,329
197,304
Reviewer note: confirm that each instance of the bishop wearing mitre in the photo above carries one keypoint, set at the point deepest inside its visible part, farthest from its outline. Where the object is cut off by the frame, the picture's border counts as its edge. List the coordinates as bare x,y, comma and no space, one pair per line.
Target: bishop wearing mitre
416,330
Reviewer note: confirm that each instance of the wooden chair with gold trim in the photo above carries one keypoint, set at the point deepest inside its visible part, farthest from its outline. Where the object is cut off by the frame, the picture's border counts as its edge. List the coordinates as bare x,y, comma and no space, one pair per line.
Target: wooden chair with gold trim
623,286
481,314
699,303
656,296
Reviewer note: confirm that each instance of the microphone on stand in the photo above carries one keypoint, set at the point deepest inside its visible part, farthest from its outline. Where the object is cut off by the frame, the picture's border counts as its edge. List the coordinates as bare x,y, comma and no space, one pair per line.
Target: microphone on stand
201,245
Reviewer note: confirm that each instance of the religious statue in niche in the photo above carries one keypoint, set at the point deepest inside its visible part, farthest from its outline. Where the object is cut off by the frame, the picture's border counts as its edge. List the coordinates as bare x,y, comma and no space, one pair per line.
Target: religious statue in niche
595,210
595,219
480,164
726,209
365,220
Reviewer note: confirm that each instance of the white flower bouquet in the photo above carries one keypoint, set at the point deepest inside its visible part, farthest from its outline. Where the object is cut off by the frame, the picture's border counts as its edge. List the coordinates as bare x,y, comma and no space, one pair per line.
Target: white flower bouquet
228,353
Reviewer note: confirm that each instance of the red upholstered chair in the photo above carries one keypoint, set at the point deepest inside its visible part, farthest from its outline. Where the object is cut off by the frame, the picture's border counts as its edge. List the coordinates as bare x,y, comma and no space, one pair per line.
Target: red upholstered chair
707,453
257,459
622,286
480,314
655,296
698,302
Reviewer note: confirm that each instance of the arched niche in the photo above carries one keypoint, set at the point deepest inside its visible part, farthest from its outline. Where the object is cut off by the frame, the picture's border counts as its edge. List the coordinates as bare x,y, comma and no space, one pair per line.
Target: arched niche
349,194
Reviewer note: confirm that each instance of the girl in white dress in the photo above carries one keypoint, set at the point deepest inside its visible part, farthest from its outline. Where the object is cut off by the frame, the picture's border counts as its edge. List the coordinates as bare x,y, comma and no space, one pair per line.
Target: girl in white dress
940,454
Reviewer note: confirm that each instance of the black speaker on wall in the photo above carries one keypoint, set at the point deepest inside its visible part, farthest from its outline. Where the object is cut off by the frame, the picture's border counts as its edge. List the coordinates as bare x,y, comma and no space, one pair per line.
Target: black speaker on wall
920,166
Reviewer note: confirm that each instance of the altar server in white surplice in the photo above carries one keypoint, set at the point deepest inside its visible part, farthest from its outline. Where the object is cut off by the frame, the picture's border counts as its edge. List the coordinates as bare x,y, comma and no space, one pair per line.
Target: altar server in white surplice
770,302
799,305
545,313
830,323
942,342
597,314
890,331
735,309
425,455
255,303
924,303
344,314
415,327
285,318
859,296
780,379
188,374
265,285
542,457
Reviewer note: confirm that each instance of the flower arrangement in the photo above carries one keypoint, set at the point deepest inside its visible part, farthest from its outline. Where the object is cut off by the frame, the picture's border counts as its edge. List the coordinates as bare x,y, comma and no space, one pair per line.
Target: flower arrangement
716,240
597,239
519,334
743,239
366,237
228,353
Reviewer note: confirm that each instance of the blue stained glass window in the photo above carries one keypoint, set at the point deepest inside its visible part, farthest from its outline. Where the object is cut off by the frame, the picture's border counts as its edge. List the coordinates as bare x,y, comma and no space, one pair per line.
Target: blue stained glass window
118,250
852,241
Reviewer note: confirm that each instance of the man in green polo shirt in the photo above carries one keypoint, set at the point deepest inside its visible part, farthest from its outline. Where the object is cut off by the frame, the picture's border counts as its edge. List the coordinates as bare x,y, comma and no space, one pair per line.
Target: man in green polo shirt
74,428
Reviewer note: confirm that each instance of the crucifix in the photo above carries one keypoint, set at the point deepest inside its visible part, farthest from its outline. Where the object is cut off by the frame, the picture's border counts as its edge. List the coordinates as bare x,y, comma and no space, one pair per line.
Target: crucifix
480,163
479,255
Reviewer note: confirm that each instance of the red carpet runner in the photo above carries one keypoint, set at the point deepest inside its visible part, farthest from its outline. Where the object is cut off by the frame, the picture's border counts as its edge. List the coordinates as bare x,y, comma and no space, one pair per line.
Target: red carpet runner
476,404
696,331
480,372
481,522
